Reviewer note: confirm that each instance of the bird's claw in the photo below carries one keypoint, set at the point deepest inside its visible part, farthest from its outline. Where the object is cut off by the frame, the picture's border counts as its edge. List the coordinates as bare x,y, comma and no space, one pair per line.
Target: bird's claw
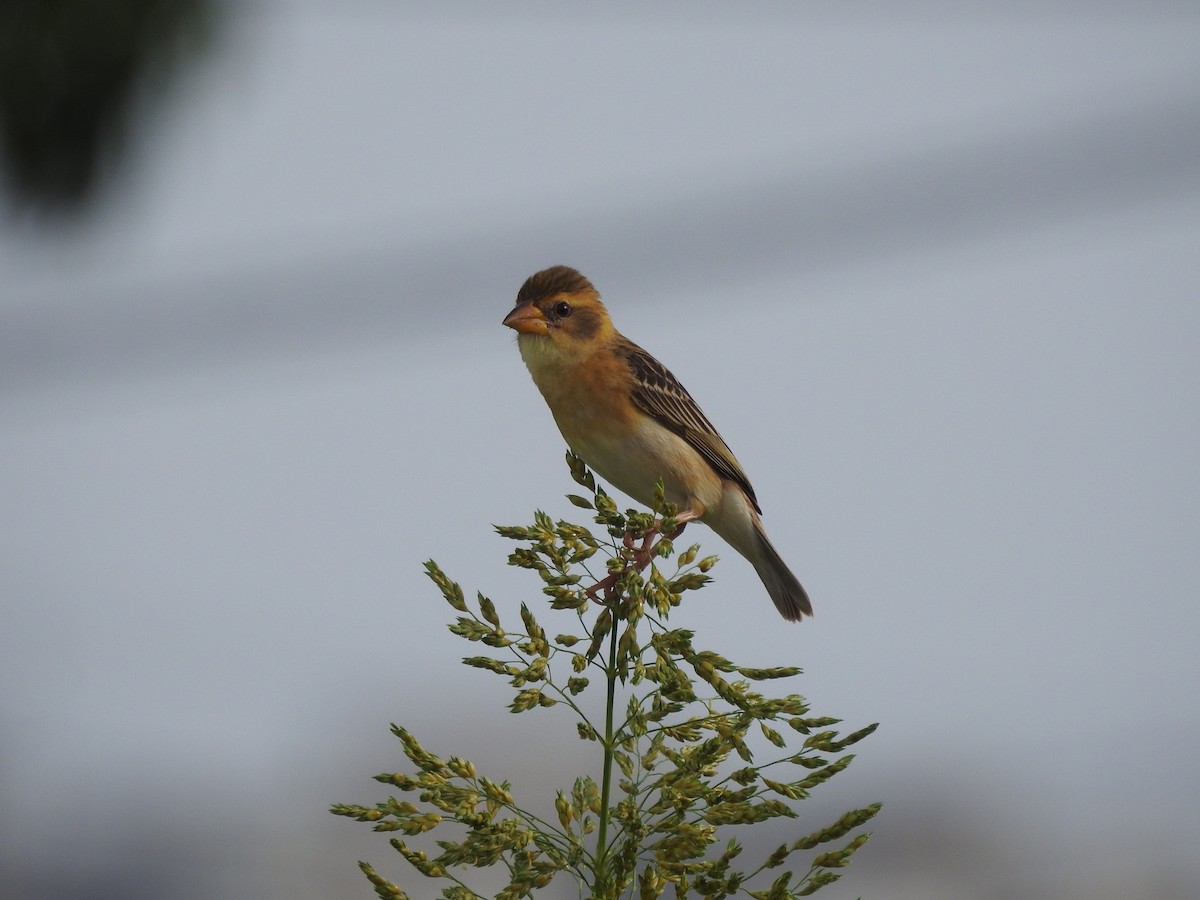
603,584
641,554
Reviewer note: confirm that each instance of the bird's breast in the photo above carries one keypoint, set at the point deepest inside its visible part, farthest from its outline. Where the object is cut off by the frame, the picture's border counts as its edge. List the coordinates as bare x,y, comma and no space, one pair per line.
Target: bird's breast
591,401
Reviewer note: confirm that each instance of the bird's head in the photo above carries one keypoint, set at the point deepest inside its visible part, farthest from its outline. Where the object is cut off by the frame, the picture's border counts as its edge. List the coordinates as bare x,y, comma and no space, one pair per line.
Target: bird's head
559,314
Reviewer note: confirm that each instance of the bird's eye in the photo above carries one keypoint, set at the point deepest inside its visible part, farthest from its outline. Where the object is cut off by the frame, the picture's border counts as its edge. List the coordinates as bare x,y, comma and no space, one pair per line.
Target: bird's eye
562,309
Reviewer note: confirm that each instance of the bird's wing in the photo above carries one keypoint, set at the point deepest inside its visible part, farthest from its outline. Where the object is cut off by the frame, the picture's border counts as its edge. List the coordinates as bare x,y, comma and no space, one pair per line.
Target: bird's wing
659,394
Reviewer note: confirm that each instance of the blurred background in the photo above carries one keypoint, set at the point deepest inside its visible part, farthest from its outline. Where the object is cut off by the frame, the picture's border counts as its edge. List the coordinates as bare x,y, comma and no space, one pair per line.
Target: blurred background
934,274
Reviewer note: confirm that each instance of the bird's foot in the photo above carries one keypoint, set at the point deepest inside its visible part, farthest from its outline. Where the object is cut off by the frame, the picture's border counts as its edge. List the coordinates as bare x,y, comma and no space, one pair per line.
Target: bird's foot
604,584
677,532
645,551
691,514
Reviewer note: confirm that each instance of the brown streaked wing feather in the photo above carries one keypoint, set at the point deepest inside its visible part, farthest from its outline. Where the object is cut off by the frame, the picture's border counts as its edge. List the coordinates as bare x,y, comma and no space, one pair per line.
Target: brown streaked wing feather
659,394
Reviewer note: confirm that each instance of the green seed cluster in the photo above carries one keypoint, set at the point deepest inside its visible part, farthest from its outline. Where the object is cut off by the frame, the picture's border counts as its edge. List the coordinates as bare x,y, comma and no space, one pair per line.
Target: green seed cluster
692,748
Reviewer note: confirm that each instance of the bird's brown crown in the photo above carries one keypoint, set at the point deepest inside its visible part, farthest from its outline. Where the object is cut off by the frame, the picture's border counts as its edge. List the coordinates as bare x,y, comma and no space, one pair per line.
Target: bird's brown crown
553,281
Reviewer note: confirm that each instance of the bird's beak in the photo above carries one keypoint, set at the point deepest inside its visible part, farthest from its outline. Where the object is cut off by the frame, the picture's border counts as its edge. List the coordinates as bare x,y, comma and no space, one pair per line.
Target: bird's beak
527,319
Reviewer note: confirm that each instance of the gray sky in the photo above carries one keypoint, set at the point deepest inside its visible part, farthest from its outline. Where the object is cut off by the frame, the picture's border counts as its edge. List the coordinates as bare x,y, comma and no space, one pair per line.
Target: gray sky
934,279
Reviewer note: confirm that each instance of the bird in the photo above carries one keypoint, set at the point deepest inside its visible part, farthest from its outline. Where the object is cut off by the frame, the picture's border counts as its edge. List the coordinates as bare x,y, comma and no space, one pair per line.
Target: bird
633,423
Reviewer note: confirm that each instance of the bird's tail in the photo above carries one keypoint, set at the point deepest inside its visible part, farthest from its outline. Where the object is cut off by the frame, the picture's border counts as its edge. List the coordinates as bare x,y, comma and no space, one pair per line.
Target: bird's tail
784,588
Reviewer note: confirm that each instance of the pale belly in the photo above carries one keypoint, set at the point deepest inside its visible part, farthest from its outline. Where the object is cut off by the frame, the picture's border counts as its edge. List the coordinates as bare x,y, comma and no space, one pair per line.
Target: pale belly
628,454
635,463
625,464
